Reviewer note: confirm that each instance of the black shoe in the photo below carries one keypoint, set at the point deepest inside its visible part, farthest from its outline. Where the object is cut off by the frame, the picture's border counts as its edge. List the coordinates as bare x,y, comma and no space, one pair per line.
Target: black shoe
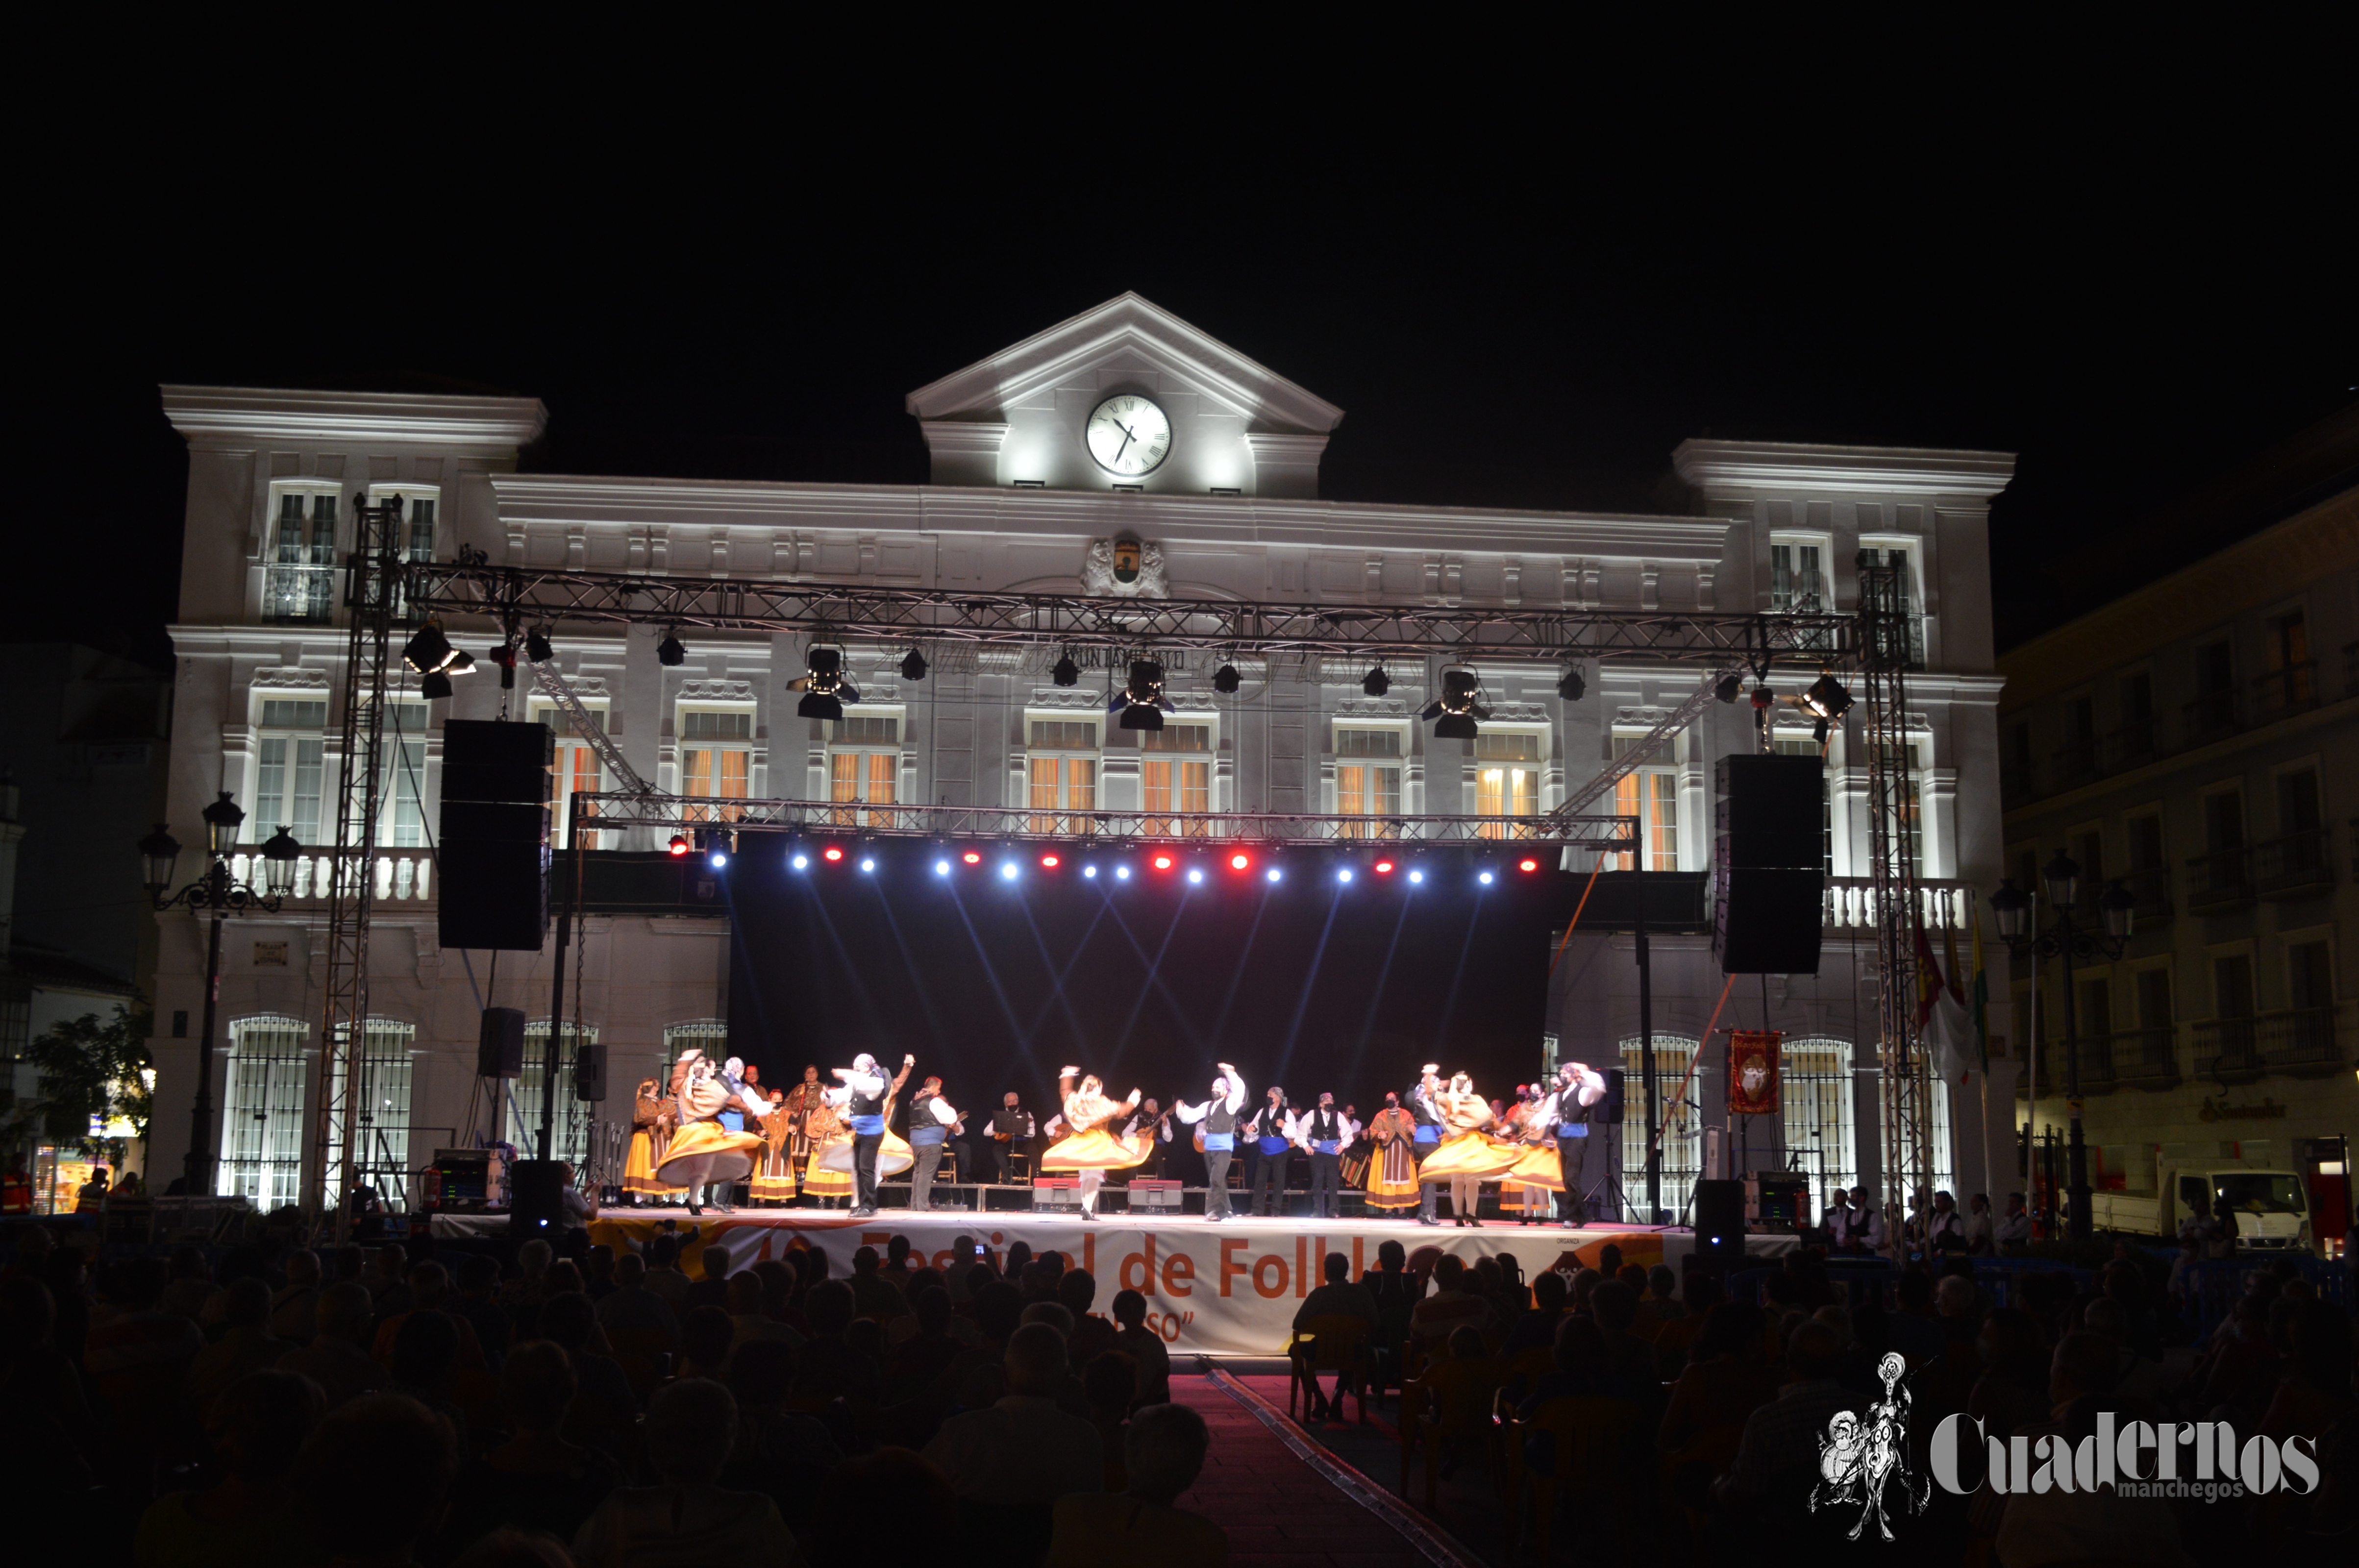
695,1212
1575,1224
1089,1217
1427,1219
723,1208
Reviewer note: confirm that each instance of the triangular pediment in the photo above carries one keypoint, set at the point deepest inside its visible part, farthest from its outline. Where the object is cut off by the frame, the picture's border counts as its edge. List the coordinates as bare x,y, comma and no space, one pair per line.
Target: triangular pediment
1127,336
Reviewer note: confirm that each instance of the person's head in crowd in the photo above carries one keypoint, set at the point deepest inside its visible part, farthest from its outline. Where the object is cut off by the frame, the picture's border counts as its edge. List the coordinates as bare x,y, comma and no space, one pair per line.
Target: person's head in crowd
811,1266
597,1265
565,1275
829,1307
998,1310
762,1374
1108,1382
2085,1363
538,1385
1777,1291
1163,1449
1130,1309
925,1279
1613,1304
388,1447
344,1313
1054,1315
478,1275
714,1261
743,1294
1915,1291
1837,1320
568,1321
424,1349
690,1428
1609,1259
1634,1276
1018,1254
1391,1258
1034,1359
534,1257
1957,1298
245,1304
980,1277
896,1251
1813,1352
429,1283
260,1422
630,1273
1578,1348
133,1284
1662,1284
866,1336
865,1262
1584,1285
188,1263
932,1308
1700,1290
1077,1290
515,1549
1730,1329
1465,1343
704,1336
663,1252
1449,1273
1549,1290
2102,1314
1487,1281
778,1285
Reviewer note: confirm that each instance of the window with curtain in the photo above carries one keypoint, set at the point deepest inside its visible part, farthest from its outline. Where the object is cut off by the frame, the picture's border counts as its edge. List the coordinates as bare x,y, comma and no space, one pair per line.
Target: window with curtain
401,813
578,767
1506,777
266,1075
1169,782
716,756
300,579
1368,776
1061,773
864,766
1652,795
290,754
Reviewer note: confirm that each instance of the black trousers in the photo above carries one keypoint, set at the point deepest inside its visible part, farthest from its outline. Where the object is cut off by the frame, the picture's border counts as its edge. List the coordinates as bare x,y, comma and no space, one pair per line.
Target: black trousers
1003,1160
863,1168
1216,1181
1269,1183
1571,1163
921,1177
1326,1185
1426,1191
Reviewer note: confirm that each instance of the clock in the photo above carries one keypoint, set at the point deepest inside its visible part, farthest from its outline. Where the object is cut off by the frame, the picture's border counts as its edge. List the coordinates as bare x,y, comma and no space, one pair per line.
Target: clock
1128,436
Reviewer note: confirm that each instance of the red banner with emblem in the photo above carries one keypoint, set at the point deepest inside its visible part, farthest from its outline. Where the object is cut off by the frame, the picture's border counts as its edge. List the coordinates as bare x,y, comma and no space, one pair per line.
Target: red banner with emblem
1752,1071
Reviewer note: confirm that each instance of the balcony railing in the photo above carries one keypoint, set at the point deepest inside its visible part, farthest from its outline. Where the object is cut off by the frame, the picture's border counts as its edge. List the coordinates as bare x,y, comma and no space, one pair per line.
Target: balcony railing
2228,1049
1850,905
2302,1041
403,876
2293,690
2209,716
2219,882
2131,746
2294,866
300,593
2150,886
2131,1058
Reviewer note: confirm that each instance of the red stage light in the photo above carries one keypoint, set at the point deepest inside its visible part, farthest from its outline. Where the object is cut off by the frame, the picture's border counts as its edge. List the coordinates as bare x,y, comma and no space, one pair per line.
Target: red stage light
833,852
1240,861
1384,868
679,844
973,857
1162,862
1528,864
1050,861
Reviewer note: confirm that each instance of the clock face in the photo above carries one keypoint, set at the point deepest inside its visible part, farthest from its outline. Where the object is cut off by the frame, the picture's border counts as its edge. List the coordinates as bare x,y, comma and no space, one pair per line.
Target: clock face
1128,436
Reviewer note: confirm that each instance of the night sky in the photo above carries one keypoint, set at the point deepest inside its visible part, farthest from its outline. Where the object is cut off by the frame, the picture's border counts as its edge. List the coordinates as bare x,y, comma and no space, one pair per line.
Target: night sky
2138,286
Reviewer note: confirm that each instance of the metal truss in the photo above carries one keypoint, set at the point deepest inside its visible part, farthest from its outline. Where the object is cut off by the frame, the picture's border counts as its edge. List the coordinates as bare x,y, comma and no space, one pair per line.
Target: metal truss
1639,751
1112,829
901,616
585,724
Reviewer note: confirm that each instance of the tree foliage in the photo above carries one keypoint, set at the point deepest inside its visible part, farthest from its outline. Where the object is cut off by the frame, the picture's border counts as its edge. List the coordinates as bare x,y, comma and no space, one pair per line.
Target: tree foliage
93,1072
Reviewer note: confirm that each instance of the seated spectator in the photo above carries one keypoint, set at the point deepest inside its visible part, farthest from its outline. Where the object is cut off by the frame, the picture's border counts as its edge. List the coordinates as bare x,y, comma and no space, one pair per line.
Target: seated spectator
784,1453
247,1517
429,1291
1107,1383
598,1273
295,1306
914,1365
924,1513
713,1289
2136,1377
1724,1382
191,1284
1023,1449
1536,1329
138,1358
1675,1340
387,1278
386,1447
1642,1316
1614,1305
747,1321
536,1481
663,1275
425,1354
1912,1330
688,1517
479,1281
1145,1348
635,1305
830,1366
873,1296
1091,1336
1163,1451
1459,1389
335,1359
1662,1295
245,1345
1338,1297
523,1293
1778,1457
2012,1390
1449,1307
705,1339
897,1270
1583,1368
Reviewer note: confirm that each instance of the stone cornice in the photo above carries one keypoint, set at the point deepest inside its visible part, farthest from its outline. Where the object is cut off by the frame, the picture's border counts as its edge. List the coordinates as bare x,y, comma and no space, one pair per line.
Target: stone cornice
249,416
1720,466
2248,575
978,435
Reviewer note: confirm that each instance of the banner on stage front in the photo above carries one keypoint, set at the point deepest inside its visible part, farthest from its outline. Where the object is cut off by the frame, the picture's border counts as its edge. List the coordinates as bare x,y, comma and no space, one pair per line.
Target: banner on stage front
1752,1071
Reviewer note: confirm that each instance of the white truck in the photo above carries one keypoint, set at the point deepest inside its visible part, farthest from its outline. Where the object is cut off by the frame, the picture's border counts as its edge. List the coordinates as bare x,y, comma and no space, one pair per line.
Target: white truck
2264,1207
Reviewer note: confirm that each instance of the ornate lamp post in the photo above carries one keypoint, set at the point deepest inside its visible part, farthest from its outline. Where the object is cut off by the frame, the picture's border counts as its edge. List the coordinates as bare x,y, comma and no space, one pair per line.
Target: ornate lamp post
2067,940
218,891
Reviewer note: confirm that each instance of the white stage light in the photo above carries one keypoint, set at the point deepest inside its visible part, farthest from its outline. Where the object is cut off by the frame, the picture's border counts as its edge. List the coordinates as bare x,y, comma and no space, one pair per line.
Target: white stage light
800,861
1483,877
1275,875
1195,873
868,863
1009,870
942,868
719,857
1417,876
1345,875
1122,874
1088,871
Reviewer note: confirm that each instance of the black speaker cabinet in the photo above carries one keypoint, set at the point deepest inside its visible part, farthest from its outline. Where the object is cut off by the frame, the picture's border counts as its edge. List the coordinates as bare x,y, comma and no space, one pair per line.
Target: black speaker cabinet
1772,811
1719,1220
499,1048
493,857
590,1073
1767,921
1610,1108
537,1188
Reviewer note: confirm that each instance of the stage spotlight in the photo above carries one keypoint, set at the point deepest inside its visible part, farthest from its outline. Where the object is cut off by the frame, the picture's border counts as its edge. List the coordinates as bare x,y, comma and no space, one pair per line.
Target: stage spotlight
1730,685
670,651
973,857
1827,700
1122,874
1416,874
1240,861
1343,874
1376,683
535,646
1275,874
1225,679
942,868
1010,869
1065,671
798,860
1485,876
1089,871
825,690
1195,873
1569,686
680,844
717,857
913,665
868,862
1142,703
1383,866
1161,862
1456,708
428,652
1528,863
1051,861
833,853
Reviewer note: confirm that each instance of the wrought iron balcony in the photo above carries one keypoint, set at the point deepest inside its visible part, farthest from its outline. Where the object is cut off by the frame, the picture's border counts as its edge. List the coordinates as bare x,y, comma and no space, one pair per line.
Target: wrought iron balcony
2281,693
2219,882
2228,1050
2131,746
2209,717
2303,1042
2294,866
2143,1058
300,593
2150,886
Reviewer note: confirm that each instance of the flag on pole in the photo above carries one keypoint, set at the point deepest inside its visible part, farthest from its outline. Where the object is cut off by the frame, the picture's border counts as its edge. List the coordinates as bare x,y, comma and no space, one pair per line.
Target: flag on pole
1981,994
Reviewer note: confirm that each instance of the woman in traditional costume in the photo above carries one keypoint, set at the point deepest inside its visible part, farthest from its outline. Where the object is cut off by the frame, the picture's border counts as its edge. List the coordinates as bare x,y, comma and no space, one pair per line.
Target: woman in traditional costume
1088,1147
1535,1173
1466,1159
639,1165
704,1153
823,1129
774,1179
1392,1168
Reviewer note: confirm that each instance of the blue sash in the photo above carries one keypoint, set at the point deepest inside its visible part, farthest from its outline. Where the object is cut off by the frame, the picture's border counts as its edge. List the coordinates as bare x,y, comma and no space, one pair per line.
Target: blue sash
734,1121
1326,1145
1572,1129
1219,1143
1427,1133
927,1137
867,1126
1272,1143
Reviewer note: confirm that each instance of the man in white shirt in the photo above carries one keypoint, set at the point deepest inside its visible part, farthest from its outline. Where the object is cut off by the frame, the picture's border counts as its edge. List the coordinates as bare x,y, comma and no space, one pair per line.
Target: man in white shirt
1273,1138
861,1098
1563,1111
1023,1449
1219,1115
932,1120
1320,1135
1865,1231
1150,1115
2013,1231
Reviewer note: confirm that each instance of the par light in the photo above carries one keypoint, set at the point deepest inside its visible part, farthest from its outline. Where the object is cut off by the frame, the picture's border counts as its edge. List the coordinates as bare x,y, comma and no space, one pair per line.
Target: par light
1826,700
1195,873
429,651
1009,870
1065,671
536,646
798,860
1051,861
1225,679
1142,703
1376,683
1456,708
942,868
1383,866
913,665
868,862
1122,874
824,689
718,859
1416,874
672,651
1240,861
1485,876
1730,685
973,857
1090,871
1162,862
1569,686
1343,874
680,844
1275,874
833,853
1528,864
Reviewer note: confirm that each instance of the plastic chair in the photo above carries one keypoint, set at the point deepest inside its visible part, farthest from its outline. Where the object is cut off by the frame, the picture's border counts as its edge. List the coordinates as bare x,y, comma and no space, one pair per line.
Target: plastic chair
1442,1409
1592,1437
1336,1343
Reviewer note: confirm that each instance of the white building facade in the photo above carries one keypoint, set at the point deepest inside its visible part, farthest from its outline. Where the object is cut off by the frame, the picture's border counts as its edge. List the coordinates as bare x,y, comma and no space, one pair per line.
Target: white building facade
1025,493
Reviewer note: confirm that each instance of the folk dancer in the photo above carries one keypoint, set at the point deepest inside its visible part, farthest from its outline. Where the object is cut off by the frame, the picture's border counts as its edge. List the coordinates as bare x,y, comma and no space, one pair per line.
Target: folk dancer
1534,1176
932,1121
1424,1107
862,1097
1216,1139
1565,1114
1465,1159
1354,1166
704,1153
1322,1135
654,1116
1011,1127
827,1174
1392,1164
1087,1147
1273,1134
801,1100
774,1182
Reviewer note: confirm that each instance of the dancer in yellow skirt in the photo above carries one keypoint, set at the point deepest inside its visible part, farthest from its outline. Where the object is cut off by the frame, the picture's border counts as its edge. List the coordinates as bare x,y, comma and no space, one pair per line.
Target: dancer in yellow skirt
1088,1147
1535,1174
705,1152
824,1130
1466,1159
648,1112
774,1179
1392,1169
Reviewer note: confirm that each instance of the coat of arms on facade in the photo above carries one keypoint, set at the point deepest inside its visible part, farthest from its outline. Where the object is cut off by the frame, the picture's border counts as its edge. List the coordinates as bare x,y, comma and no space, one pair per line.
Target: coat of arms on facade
1125,568
1861,1457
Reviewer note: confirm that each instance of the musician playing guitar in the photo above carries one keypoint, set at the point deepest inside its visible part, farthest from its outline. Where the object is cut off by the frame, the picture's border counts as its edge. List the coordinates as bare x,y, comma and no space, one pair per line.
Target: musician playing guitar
1012,1130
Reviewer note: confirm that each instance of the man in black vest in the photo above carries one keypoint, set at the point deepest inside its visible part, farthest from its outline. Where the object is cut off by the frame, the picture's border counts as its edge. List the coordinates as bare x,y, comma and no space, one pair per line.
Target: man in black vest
1564,1110
1425,1105
1219,1115
862,1097
1272,1149
1322,1134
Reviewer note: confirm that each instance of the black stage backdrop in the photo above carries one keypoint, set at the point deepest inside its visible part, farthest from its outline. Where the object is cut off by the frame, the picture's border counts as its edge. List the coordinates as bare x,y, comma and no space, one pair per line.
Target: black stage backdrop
993,983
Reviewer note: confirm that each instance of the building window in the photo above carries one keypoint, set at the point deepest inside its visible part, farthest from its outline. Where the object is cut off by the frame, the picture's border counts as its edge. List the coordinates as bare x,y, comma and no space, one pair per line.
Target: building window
1899,555
709,1036
1682,1143
570,1131
2291,683
1798,581
1652,795
1803,746
263,1078
290,750
2310,977
2214,711
416,539
1507,777
578,766
1061,773
1368,778
299,581
381,1113
716,759
1181,784
401,815
1816,1098
864,766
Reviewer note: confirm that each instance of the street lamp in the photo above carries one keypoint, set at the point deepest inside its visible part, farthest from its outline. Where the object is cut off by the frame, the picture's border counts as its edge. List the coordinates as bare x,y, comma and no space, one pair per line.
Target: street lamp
2067,940
217,891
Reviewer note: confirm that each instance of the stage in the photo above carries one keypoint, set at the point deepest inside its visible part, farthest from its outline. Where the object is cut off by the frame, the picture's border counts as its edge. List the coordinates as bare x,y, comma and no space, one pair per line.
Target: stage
1226,1287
